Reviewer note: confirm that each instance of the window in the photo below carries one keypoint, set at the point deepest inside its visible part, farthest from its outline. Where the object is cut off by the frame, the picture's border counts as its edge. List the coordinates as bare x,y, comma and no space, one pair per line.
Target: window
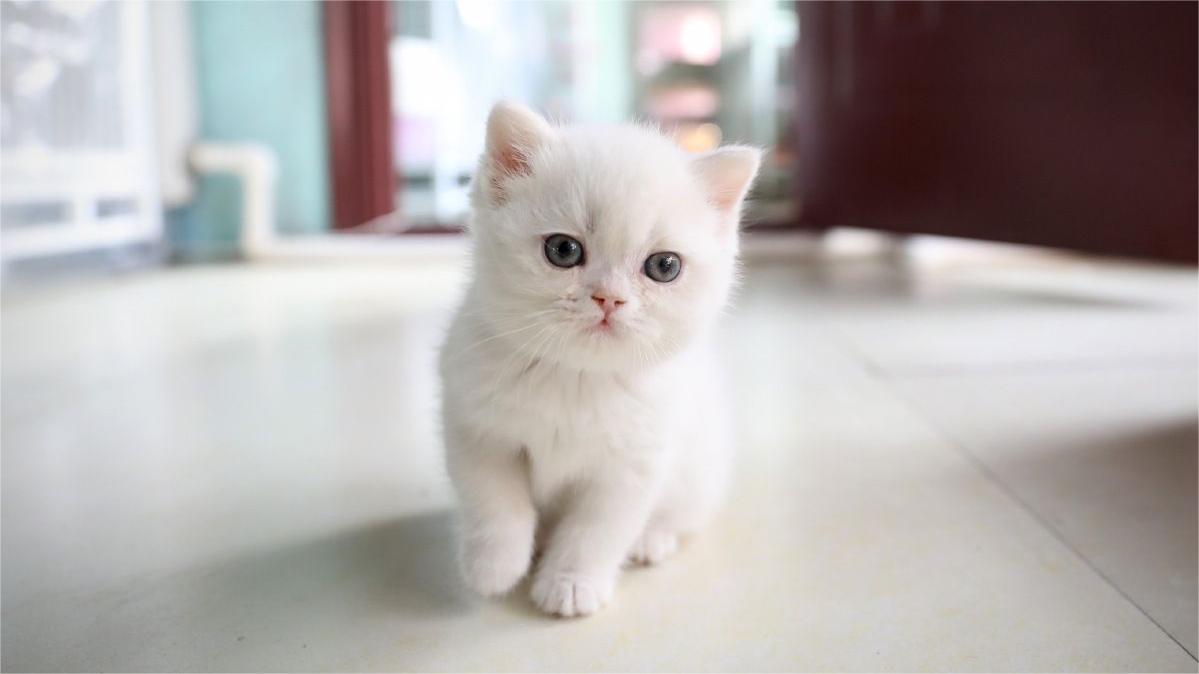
708,72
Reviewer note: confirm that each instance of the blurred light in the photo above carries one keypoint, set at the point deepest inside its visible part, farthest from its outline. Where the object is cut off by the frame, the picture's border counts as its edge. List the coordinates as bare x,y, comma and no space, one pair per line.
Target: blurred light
678,33
683,102
426,79
699,38
786,27
478,15
698,137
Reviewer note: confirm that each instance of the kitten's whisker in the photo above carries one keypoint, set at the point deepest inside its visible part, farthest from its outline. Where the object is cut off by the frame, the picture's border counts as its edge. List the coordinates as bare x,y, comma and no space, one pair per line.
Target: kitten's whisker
516,353
503,324
552,335
481,342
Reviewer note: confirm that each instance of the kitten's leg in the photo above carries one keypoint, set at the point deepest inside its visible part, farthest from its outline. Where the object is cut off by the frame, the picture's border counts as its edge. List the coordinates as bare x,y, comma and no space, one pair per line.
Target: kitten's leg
693,492
578,571
655,543
498,517
547,520
676,514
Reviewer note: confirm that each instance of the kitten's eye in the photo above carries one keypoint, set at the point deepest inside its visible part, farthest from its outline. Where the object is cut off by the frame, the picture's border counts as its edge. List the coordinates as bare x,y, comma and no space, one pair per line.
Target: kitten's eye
663,267
563,251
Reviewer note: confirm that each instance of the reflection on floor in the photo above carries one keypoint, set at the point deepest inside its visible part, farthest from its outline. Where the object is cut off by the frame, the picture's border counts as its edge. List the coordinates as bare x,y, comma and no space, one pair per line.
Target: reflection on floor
946,463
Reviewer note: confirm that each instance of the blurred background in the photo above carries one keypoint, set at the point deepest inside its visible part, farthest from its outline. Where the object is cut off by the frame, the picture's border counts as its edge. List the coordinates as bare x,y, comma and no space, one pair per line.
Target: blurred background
1042,124
964,357
372,113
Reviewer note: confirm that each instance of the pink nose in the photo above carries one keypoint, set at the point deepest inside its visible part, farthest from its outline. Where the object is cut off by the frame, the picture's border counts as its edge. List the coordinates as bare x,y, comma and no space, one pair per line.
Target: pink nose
607,303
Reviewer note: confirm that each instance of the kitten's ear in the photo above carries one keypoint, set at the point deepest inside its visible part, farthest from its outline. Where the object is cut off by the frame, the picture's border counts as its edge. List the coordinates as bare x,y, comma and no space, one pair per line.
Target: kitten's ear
727,173
514,133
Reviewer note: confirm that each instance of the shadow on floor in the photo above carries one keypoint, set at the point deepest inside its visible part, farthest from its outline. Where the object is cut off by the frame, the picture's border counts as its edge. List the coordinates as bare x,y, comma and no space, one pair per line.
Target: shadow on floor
405,566
240,613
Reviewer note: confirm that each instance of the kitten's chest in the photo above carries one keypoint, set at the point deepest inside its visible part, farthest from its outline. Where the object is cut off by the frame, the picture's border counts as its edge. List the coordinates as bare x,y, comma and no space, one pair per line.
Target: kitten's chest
571,427
556,412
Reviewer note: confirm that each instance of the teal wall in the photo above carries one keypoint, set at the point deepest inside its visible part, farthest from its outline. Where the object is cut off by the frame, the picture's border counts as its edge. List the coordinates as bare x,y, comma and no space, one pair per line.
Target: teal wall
613,97
261,77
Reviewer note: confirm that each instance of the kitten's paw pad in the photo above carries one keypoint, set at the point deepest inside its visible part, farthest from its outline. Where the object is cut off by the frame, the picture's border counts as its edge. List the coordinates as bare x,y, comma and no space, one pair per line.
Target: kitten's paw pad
492,569
570,595
653,547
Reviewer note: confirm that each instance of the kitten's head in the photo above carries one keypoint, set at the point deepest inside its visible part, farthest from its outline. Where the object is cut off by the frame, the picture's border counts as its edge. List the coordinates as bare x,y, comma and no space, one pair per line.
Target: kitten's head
602,248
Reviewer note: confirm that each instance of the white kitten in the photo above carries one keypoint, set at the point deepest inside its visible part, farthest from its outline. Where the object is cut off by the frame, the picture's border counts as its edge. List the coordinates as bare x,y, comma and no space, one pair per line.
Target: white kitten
581,413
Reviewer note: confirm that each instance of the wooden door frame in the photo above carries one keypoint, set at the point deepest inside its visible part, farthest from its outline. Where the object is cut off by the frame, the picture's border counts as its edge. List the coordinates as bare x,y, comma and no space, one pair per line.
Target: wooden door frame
362,171
1057,124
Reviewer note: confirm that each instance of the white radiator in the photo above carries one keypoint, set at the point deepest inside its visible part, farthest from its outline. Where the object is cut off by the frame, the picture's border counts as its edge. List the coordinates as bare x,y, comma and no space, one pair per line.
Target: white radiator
77,168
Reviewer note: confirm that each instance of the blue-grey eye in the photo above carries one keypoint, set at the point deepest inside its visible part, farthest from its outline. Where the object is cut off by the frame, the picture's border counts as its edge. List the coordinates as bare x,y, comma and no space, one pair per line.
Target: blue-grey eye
663,267
563,251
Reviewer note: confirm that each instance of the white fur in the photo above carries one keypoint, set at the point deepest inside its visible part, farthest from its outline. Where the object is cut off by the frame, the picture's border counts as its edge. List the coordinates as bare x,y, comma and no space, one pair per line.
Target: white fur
595,446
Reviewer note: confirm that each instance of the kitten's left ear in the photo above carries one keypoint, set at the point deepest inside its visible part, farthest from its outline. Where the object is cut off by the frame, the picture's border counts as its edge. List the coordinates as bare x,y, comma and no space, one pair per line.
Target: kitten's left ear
514,134
726,174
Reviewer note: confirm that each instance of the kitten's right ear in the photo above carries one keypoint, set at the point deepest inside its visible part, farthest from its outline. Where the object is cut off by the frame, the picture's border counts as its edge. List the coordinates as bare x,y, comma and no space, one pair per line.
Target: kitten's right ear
727,173
514,133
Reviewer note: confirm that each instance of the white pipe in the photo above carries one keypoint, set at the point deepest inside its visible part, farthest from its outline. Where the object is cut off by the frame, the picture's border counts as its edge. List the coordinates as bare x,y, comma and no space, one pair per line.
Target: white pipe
255,166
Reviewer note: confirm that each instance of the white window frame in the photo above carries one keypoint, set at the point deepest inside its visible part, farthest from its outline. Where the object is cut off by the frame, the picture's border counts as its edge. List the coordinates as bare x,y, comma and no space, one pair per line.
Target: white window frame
82,179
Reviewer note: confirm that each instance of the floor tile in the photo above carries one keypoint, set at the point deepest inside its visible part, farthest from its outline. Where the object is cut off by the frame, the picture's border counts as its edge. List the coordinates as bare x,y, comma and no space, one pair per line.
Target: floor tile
1107,459
998,318
238,469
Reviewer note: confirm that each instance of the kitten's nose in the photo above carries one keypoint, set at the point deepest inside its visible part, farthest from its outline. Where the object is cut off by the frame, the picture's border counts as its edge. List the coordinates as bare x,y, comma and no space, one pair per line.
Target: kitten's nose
607,302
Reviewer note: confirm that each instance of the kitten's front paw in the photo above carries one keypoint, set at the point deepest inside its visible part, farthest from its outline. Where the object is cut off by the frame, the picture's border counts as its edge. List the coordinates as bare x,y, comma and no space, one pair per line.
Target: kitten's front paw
653,546
493,567
570,594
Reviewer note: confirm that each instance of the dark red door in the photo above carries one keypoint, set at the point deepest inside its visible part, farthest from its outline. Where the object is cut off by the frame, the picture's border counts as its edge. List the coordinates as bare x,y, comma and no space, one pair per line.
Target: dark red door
359,105
1058,123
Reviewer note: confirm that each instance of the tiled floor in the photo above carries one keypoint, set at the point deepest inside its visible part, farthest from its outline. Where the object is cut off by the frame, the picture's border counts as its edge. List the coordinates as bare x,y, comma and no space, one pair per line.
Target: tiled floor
946,464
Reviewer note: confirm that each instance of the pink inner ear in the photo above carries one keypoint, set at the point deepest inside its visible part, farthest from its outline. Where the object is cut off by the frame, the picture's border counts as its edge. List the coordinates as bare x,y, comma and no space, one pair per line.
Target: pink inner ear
724,199
506,164
727,174
513,134
510,161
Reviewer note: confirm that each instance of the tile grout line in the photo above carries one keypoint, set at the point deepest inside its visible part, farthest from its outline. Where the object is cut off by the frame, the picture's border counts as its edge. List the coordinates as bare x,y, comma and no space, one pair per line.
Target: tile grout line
879,374
1027,367
1045,524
